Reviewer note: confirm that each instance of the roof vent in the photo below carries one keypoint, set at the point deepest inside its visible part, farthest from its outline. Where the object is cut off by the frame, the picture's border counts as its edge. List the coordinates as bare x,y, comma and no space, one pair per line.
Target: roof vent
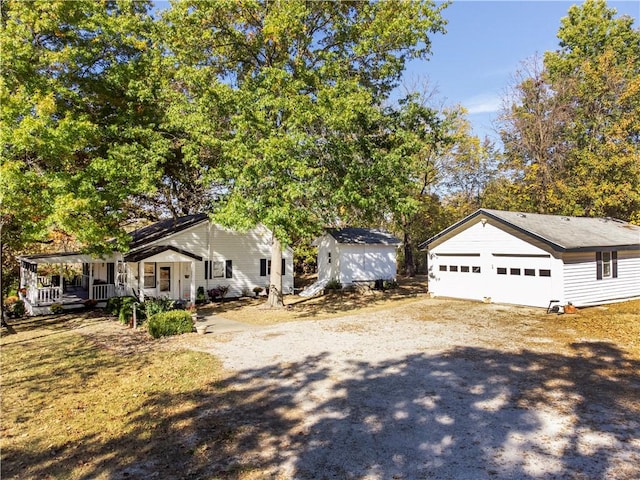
566,219
522,215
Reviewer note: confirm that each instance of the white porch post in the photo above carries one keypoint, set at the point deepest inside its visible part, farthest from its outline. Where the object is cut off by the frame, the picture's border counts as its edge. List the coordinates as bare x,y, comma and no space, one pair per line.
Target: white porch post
192,293
141,280
91,280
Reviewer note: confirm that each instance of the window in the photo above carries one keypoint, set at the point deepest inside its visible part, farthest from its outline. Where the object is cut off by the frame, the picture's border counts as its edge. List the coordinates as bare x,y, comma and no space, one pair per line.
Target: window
606,265
149,275
265,267
464,269
453,268
530,272
443,268
217,270
544,273
475,269
514,271
328,257
502,271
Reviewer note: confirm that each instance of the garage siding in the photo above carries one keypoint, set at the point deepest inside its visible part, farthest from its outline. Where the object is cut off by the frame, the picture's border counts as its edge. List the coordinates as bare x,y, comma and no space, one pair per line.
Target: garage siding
582,288
531,274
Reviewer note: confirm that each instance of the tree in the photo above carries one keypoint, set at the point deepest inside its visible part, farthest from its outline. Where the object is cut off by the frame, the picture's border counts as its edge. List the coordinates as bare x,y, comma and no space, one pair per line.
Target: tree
300,84
571,135
77,116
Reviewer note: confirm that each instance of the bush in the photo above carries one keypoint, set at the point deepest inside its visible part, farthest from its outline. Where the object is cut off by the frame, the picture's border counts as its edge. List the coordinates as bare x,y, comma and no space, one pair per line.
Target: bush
219,291
173,322
126,309
18,309
154,306
389,284
113,306
56,308
333,284
200,297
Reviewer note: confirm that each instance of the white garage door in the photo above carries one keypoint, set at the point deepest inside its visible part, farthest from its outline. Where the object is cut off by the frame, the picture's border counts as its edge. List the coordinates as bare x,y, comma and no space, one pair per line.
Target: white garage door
521,280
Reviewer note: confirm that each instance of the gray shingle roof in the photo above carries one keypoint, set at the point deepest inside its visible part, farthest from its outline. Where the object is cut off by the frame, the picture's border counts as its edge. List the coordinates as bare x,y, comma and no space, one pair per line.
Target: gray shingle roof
163,228
562,232
362,236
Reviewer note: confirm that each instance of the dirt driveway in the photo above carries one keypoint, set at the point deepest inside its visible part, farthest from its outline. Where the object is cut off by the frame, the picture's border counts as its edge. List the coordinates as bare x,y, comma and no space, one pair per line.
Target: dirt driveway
433,389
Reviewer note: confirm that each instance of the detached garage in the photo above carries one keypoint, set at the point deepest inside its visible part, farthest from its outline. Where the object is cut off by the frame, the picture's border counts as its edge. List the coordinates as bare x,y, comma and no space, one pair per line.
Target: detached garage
356,254
532,259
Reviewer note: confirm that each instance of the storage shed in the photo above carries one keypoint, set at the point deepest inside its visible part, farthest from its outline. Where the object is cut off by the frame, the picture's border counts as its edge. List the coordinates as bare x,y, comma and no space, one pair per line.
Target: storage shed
532,259
356,254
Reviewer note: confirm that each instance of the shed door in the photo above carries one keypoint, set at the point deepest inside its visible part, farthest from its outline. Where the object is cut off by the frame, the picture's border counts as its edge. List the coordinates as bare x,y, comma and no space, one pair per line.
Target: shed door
522,280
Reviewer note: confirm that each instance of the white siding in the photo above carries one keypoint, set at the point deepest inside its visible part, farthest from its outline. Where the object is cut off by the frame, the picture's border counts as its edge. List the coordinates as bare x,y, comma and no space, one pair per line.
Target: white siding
366,262
489,248
581,287
327,267
212,242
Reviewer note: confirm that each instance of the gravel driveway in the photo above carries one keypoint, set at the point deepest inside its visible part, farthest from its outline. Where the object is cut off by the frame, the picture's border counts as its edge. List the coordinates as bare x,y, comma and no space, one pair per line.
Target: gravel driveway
484,391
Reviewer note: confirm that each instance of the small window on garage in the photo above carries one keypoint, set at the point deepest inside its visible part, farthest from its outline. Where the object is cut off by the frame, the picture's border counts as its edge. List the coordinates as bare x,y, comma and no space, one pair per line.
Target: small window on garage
502,271
544,273
529,272
475,269
443,268
464,269
453,268
514,271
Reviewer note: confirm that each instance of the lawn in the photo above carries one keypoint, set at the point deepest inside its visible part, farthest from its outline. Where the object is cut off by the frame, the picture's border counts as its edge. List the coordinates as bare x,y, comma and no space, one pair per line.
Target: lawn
85,397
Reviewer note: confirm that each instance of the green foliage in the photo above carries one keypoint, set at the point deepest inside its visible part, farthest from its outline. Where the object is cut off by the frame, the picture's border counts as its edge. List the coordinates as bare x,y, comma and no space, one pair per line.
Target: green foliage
570,132
200,296
126,309
154,306
333,284
14,307
169,323
113,306
56,308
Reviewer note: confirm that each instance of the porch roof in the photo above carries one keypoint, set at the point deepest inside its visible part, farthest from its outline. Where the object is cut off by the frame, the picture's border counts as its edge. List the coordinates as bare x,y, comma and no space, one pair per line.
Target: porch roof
57,258
148,252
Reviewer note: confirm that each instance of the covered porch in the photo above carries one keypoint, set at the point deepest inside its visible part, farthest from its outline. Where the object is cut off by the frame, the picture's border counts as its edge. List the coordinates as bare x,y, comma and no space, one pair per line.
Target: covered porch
66,278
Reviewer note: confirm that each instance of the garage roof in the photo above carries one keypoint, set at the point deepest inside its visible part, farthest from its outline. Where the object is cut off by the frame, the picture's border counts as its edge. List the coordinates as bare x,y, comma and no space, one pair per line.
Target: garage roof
562,233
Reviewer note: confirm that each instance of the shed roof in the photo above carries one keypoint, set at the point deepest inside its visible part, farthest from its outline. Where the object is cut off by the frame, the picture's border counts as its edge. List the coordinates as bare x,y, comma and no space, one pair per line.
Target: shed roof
352,235
562,233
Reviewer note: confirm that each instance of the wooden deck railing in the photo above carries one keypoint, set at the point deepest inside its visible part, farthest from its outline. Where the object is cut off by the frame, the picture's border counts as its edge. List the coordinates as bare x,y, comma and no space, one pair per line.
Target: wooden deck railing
42,295
104,291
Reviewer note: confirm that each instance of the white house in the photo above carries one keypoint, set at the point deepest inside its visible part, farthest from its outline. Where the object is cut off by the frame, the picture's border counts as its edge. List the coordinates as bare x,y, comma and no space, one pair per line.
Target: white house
170,258
356,254
533,259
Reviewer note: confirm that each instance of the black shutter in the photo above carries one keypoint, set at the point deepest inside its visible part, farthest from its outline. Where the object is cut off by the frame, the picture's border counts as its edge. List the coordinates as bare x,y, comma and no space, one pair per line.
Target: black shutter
228,269
263,267
599,265
284,270
206,269
614,264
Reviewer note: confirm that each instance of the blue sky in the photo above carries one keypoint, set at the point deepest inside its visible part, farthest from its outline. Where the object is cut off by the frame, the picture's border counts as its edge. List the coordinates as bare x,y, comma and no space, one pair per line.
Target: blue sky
486,41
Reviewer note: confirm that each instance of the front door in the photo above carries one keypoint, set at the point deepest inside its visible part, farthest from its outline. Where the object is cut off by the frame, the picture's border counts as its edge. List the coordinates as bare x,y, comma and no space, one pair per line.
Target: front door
165,281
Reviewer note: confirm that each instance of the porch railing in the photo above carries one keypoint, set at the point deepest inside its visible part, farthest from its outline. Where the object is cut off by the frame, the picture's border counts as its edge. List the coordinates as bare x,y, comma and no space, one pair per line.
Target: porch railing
104,291
38,296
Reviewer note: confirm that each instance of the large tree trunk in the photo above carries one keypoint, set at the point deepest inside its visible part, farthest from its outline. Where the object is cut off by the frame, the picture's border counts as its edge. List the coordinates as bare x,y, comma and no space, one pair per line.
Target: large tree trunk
409,261
275,278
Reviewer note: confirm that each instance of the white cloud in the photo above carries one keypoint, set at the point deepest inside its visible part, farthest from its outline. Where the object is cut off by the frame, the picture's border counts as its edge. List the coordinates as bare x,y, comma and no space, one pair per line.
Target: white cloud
483,103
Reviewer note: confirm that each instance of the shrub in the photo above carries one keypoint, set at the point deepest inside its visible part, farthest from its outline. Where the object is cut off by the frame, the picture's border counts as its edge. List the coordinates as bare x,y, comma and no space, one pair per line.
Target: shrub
389,284
126,309
200,298
173,322
219,291
257,290
56,308
333,284
113,306
154,306
18,309
90,303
